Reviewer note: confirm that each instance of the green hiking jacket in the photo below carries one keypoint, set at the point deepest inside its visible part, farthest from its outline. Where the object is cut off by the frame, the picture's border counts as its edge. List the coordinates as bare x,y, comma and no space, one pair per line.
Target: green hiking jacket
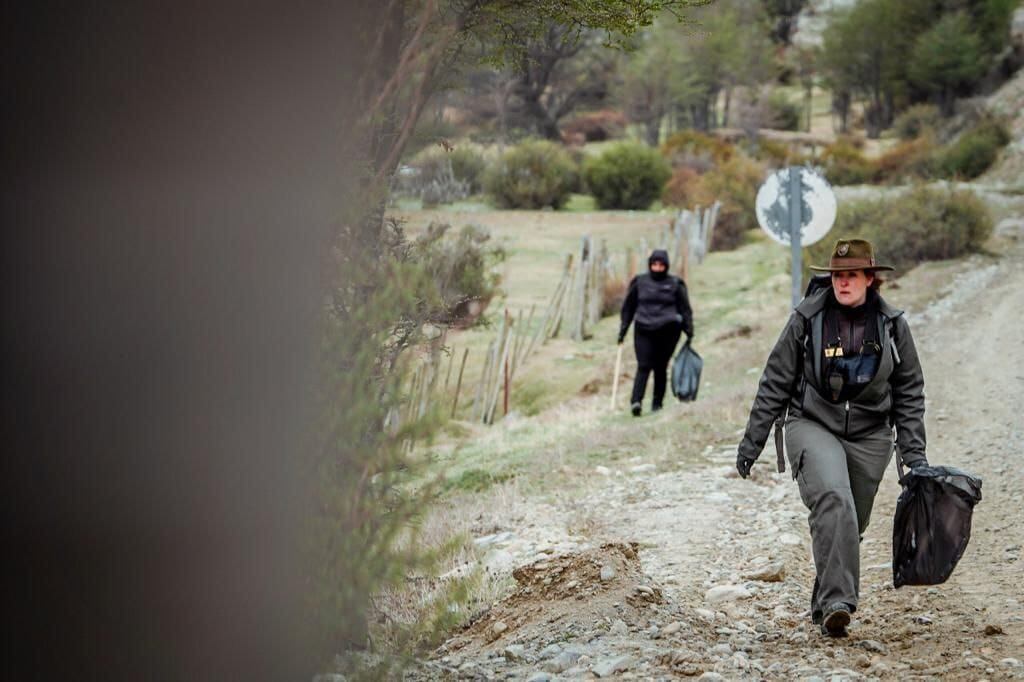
895,396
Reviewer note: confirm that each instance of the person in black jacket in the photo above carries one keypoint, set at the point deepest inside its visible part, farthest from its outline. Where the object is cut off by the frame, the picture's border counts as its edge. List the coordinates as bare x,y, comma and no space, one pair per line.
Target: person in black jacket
658,302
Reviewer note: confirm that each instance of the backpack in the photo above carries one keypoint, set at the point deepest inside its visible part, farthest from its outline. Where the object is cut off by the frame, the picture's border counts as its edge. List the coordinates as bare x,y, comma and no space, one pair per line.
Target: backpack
932,525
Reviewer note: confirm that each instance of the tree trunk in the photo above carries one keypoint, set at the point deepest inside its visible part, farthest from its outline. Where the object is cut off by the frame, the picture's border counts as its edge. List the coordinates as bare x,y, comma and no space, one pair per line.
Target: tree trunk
809,104
653,129
841,108
873,115
699,111
542,121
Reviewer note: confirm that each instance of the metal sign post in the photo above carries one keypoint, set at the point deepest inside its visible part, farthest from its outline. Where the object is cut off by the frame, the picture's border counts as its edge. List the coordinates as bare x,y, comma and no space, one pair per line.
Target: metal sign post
795,227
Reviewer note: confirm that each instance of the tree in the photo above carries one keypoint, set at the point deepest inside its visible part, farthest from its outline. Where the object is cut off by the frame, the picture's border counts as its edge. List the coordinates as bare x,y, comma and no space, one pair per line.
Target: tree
858,57
557,72
869,51
654,77
946,58
683,67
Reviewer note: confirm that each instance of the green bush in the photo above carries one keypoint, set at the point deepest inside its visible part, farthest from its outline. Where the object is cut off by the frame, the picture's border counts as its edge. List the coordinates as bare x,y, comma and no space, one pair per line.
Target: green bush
975,151
916,121
627,175
461,270
783,114
534,174
920,225
433,178
468,165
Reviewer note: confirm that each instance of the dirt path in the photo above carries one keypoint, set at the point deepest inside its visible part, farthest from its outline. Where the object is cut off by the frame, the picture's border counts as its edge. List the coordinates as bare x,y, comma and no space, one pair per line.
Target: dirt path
717,582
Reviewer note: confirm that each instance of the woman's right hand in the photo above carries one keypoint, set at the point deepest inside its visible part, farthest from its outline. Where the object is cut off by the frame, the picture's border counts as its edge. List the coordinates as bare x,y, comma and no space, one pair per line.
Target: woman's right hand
743,464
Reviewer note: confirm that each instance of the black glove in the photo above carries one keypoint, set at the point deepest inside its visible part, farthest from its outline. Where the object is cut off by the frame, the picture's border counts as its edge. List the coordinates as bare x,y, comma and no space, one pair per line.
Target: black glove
743,464
622,336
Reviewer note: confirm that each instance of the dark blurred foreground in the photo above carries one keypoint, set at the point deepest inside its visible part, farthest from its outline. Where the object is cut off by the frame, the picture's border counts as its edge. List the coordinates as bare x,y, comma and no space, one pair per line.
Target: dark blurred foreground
171,173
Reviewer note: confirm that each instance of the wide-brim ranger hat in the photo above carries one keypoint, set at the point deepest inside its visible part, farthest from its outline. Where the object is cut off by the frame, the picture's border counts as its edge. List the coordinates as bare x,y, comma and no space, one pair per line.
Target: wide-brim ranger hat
852,254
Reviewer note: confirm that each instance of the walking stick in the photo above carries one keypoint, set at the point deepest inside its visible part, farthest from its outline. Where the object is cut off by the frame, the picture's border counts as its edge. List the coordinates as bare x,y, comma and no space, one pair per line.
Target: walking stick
615,377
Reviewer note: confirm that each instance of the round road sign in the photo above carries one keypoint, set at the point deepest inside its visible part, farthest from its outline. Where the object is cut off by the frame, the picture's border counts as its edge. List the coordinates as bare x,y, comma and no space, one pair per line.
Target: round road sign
817,210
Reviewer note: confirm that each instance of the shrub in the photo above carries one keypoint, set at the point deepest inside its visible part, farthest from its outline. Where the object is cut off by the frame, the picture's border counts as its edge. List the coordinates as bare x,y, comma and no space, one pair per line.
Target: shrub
693,149
534,174
920,225
775,154
735,184
370,494
461,270
613,294
627,175
974,151
595,126
468,165
433,178
916,121
845,164
682,188
782,114
911,159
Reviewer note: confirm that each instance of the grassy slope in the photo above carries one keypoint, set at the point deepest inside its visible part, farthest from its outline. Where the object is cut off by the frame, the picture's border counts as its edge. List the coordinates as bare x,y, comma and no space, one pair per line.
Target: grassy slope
575,429
562,425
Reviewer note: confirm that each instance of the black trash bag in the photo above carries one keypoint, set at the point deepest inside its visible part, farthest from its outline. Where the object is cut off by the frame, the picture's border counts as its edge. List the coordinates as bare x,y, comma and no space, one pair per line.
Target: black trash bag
932,524
686,373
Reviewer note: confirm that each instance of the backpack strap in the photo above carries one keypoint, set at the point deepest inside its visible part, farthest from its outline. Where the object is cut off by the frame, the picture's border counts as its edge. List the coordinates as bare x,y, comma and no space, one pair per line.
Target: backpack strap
892,343
795,389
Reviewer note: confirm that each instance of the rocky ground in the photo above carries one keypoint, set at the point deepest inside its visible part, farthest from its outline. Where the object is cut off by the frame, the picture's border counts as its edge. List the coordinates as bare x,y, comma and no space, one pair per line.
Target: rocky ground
697,573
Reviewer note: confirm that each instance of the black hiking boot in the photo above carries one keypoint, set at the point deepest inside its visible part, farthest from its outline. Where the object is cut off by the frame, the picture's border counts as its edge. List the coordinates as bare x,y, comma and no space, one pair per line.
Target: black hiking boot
835,619
636,409
656,408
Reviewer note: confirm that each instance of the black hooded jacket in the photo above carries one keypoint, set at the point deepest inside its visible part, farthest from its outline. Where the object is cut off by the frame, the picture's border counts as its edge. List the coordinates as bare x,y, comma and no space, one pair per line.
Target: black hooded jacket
656,300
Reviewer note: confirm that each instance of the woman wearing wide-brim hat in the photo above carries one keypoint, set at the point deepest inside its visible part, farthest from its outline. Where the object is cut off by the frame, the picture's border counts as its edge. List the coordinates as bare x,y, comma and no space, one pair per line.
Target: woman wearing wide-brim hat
846,370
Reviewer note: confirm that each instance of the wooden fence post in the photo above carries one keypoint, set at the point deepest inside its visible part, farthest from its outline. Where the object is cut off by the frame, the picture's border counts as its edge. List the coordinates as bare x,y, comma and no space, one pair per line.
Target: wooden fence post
458,383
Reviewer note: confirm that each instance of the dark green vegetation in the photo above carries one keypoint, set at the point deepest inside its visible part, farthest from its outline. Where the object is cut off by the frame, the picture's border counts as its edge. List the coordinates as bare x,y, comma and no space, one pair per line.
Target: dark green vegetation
891,55
626,176
920,225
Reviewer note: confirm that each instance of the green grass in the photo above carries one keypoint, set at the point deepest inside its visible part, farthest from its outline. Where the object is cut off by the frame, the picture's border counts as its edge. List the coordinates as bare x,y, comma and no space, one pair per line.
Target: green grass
579,203
476,480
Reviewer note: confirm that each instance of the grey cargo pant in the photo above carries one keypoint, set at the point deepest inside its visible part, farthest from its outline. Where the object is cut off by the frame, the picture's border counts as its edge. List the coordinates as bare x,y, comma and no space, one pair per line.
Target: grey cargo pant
838,480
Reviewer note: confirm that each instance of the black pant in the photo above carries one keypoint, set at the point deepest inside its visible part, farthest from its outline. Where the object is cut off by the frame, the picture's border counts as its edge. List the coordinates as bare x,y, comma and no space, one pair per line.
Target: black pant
653,352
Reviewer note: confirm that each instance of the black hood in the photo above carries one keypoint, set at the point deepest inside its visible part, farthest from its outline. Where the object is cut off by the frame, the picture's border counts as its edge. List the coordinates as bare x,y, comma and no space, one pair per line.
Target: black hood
662,256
